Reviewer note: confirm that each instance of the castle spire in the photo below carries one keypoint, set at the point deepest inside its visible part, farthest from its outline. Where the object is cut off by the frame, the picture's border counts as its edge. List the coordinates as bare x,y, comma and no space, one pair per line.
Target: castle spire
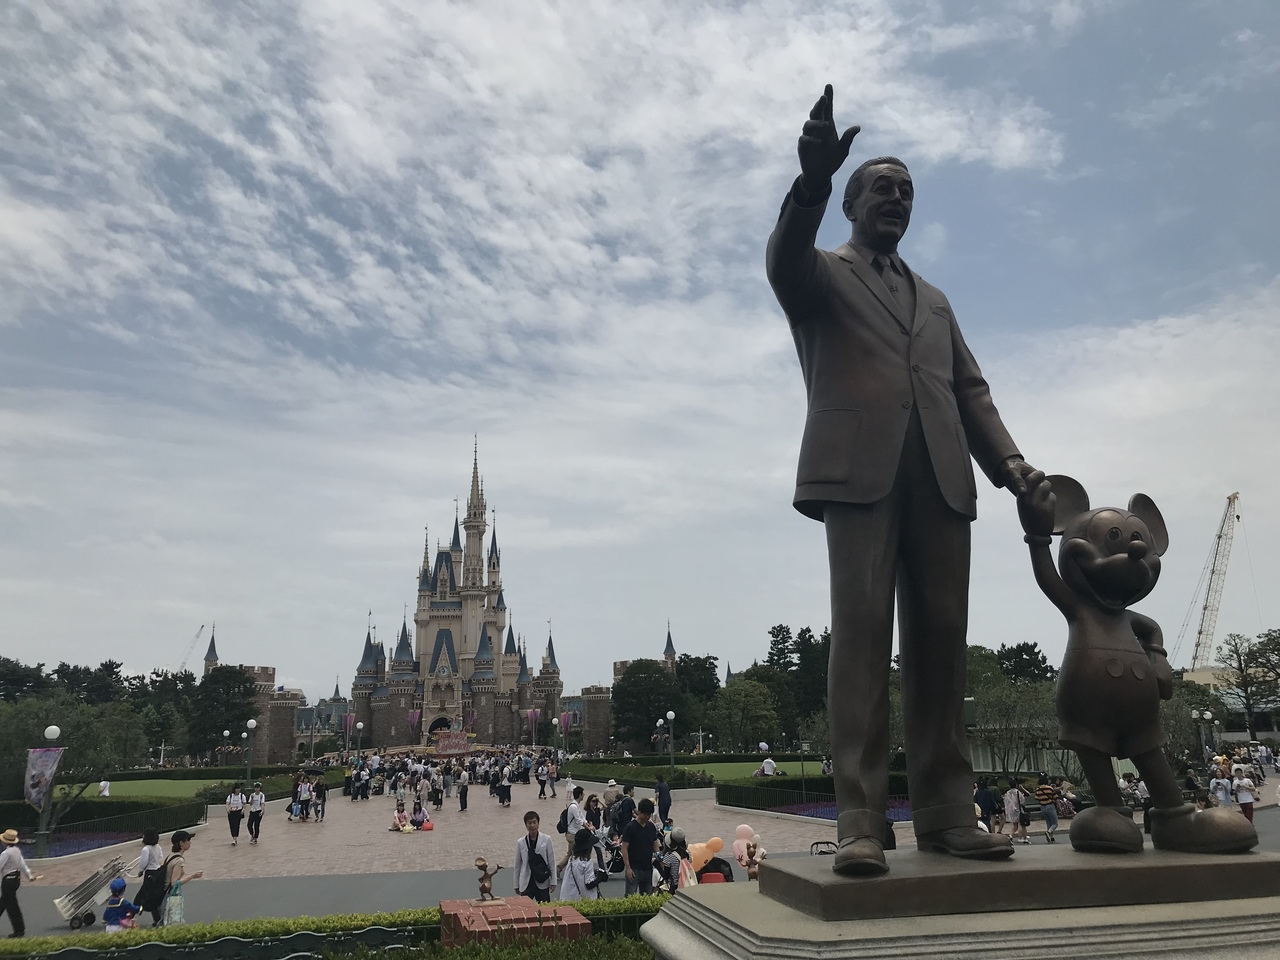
670,649
457,534
337,691
551,654
211,655
475,502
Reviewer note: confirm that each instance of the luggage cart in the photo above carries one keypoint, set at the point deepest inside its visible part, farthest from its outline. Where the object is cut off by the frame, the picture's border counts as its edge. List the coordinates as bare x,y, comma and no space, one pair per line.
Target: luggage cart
76,907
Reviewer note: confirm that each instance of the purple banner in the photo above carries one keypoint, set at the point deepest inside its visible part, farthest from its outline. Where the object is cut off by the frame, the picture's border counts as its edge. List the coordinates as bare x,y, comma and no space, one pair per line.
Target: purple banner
534,716
42,764
415,718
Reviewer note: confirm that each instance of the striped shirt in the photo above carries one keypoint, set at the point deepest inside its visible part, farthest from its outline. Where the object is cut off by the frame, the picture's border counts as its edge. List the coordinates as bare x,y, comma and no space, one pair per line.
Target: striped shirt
1046,794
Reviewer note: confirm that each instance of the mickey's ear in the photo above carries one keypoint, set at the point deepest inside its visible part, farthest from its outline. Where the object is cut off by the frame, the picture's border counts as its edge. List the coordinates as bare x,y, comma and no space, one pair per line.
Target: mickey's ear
1070,500
1145,509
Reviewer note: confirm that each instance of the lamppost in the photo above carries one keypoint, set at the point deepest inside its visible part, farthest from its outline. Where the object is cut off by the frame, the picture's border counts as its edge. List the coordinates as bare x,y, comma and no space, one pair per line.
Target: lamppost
804,745
252,724
226,745
51,733
671,736
359,735
555,740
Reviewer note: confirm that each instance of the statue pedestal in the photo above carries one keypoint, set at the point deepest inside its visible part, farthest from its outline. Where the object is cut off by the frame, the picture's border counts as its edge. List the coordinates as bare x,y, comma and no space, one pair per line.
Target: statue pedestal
1047,898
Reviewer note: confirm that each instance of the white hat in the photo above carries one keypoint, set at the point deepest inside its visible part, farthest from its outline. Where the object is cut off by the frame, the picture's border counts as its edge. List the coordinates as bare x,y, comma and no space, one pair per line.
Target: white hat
612,783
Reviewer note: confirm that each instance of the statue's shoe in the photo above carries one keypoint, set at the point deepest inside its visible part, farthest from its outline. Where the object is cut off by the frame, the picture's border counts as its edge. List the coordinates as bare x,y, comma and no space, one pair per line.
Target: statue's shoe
970,843
860,857
1188,830
1106,830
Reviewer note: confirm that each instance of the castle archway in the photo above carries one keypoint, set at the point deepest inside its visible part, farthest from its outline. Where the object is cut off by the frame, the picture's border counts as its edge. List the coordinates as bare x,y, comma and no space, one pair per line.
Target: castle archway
440,724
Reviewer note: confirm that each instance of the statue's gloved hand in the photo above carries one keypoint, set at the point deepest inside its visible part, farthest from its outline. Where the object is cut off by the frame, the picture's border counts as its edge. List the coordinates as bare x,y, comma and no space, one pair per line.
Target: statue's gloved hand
1036,504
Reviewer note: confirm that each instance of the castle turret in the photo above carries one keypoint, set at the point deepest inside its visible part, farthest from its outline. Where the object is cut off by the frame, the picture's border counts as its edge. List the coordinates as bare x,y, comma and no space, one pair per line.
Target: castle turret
483,660
728,673
495,559
211,655
669,652
403,658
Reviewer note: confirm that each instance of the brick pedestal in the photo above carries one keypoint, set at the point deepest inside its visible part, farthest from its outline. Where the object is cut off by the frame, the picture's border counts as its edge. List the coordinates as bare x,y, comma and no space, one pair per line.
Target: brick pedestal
507,920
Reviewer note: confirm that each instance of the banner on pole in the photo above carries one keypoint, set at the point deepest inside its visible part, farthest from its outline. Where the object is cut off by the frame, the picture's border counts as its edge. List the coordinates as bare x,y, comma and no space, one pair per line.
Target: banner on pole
42,764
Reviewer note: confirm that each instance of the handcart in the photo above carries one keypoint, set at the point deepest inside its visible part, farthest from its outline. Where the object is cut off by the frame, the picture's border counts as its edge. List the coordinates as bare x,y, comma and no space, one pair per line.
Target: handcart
77,906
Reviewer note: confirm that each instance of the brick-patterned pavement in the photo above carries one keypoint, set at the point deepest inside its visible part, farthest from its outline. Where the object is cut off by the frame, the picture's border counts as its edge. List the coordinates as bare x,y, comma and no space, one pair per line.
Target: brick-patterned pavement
354,838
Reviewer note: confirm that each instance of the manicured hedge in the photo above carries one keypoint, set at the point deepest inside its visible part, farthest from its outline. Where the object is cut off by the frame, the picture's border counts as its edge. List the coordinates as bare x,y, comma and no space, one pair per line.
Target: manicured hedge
25,819
426,921
198,773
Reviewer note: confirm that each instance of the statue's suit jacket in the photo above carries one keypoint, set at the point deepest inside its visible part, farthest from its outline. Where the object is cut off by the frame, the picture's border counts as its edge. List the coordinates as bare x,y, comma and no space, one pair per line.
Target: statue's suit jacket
866,364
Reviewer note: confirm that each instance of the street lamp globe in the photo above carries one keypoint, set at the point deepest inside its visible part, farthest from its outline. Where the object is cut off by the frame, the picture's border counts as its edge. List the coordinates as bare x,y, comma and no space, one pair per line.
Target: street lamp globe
671,715
52,732
1195,714
244,735
1208,716
660,721
226,733
252,724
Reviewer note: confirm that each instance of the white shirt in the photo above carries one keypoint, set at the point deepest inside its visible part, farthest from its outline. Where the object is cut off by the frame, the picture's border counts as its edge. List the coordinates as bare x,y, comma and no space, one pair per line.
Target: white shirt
256,800
769,766
576,820
463,778
104,788
11,862
150,859
1244,789
235,802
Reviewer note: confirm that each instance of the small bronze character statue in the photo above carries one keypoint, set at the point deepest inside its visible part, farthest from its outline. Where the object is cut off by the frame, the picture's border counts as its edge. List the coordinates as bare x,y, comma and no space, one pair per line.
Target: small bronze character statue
755,856
1115,672
486,878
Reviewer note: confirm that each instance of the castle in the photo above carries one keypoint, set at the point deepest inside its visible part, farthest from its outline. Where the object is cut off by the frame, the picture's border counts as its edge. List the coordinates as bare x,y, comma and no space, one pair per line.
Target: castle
275,709
463,668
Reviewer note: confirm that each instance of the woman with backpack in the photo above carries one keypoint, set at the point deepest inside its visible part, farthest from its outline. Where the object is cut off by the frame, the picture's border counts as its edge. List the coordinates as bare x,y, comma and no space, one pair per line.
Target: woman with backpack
176,876
151,867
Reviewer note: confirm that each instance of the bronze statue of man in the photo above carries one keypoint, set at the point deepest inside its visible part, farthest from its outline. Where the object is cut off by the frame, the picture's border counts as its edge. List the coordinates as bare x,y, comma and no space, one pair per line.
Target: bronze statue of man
896,408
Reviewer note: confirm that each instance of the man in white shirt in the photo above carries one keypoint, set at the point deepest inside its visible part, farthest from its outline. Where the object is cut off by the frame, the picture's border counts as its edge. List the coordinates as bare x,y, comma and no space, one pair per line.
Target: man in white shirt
533,842
576,820
463,783
12,866
104,787
769,767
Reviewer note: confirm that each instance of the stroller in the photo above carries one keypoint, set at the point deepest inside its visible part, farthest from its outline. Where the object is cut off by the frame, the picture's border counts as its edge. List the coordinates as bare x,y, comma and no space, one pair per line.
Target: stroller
612,849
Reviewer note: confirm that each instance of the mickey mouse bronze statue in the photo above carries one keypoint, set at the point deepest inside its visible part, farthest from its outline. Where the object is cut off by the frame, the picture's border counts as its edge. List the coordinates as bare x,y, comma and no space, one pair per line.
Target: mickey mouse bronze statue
1115,671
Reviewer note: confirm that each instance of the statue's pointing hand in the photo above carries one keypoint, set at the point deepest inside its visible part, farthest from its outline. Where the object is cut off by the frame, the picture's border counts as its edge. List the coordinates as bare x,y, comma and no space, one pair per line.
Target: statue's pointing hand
821,150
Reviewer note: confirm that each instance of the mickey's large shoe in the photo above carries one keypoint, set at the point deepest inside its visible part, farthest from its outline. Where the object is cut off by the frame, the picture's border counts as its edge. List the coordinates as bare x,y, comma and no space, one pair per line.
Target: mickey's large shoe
1188,830
860,857
971,843
1106,830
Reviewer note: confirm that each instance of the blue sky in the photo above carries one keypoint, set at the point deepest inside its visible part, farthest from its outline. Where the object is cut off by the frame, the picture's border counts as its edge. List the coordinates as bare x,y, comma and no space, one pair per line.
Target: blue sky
267,271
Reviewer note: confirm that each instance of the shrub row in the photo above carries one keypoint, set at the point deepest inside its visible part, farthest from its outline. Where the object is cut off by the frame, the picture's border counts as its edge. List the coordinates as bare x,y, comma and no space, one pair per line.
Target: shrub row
196,773
266,928
24,818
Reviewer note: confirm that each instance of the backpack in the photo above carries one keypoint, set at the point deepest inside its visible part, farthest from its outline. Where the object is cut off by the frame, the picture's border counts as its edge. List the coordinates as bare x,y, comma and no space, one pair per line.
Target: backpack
562,825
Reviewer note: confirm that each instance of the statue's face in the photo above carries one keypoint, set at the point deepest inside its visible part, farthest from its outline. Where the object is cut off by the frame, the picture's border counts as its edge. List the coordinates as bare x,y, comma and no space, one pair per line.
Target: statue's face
881,211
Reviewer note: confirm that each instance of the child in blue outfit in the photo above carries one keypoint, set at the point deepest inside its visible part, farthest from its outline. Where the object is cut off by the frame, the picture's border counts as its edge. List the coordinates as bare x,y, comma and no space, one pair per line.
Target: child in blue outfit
117,912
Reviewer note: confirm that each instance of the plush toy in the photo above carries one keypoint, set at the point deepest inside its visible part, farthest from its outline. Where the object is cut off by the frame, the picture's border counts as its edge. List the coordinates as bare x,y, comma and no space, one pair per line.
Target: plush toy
1115,671
755,854
486,878
741,837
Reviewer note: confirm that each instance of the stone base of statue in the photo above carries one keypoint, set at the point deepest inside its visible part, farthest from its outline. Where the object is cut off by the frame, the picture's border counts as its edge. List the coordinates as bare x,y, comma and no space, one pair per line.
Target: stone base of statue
1046,900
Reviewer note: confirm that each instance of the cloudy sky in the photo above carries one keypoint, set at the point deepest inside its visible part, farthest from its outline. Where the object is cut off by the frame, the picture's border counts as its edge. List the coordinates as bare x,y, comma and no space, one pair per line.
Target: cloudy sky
266,270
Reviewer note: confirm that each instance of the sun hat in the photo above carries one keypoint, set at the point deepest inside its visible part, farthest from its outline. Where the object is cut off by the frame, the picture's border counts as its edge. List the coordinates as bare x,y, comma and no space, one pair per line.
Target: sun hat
10,836
612,783
118,885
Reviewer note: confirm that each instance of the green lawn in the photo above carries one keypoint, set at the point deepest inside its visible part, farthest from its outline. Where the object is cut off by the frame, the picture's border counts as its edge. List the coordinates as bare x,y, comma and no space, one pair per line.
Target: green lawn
735,771
154,788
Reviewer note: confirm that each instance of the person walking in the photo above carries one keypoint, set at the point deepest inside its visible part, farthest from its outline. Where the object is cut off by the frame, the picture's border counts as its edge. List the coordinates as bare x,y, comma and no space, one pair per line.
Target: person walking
534,872
257,804
1047,797
1220,788
117,912
12,868
235,812
986,801
541,776
151,869
176,877
1245,791
639,844
575,820
662,790
463,782
319,798
580,881
552,773
1015,812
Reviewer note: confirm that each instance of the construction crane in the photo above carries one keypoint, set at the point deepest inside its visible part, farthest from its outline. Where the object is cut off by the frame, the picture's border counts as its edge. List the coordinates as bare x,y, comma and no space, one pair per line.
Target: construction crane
186,654
1215,571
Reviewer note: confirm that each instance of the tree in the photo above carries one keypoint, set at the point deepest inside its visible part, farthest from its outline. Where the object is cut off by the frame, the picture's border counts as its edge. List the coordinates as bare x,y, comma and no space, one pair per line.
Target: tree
645,692
1245,668
781,653
698,677
809,680
784,701
742,714
982,669
223,701
1025,663
19,680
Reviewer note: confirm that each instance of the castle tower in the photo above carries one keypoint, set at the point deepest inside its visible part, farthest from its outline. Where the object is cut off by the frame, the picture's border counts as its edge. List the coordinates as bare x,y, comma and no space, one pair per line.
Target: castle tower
728,673
510,672
365,683
211,655
547,687
669,652
472,589
495,559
